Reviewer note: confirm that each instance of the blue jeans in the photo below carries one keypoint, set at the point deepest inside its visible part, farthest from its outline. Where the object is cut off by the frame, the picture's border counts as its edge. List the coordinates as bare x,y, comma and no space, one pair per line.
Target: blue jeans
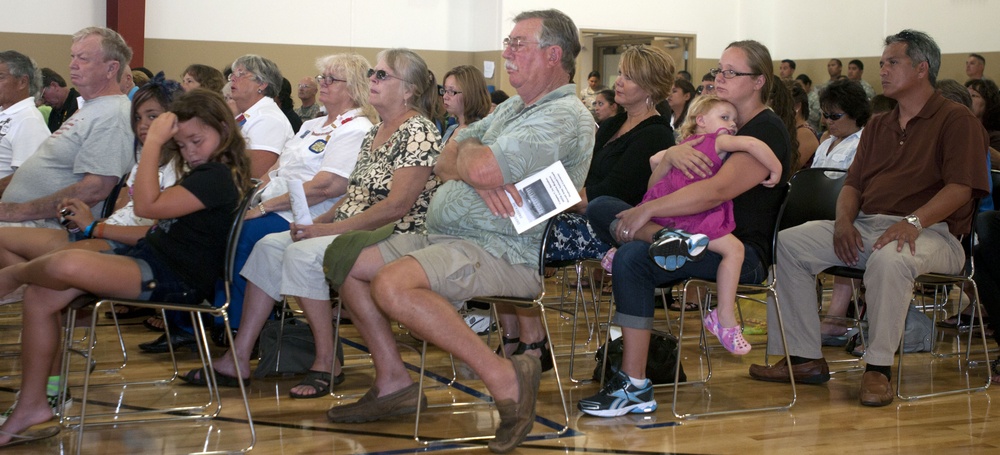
988,265
636,276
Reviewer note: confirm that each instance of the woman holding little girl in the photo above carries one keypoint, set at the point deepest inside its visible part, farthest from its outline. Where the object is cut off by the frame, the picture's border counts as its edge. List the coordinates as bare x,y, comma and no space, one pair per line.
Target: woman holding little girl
744,80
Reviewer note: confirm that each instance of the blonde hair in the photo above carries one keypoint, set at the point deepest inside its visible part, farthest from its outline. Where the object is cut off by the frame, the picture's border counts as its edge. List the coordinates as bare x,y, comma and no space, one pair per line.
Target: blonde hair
651,68
700,106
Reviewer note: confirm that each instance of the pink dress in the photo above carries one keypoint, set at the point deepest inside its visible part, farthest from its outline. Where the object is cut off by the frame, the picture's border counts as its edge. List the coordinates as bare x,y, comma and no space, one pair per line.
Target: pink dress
715,222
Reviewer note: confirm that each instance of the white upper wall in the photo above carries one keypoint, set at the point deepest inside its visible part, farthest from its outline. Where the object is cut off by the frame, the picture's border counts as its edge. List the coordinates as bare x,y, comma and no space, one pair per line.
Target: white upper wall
420,24
55,17
798,29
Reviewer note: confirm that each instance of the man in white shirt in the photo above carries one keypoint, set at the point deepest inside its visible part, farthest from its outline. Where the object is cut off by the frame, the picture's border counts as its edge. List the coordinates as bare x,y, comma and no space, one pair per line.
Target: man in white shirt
22,128
975,65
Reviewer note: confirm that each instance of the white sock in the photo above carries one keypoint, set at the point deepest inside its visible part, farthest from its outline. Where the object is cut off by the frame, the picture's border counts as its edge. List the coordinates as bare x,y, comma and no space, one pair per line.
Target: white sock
638,382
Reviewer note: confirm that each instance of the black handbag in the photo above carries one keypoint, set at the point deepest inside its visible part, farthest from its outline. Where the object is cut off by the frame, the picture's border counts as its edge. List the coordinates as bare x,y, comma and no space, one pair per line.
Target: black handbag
659,363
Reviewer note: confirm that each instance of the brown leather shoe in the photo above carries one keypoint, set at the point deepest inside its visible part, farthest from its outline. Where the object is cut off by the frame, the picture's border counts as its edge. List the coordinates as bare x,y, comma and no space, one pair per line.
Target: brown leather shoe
875,389
373,407
811,372
516,419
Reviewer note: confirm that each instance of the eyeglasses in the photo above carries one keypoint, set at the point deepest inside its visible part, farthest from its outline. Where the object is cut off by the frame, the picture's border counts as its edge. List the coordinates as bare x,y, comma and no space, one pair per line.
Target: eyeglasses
833,117
444,91
708,88
328,80
516,44
239,75
729,74
381,74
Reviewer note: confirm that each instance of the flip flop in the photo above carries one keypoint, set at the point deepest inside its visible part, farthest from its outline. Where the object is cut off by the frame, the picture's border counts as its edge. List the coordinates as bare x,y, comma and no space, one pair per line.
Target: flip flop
676,306
319,381
31,436
193,377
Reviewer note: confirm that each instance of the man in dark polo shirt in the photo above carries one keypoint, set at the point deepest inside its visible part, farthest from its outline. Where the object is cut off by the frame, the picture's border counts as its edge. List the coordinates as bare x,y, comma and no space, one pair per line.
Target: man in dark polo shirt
62,99
907,197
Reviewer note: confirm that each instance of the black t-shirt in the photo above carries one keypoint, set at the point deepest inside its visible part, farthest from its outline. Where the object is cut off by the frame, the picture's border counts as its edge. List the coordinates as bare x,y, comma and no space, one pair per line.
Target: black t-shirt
620,168
756,210
194,245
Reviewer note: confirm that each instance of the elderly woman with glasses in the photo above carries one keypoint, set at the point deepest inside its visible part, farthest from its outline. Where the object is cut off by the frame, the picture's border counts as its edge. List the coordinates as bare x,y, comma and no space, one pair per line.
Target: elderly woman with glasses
254,83
320,158
391,184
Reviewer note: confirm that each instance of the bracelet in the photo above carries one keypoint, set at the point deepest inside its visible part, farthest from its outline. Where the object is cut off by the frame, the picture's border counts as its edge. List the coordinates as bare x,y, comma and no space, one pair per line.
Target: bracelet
99,231
261,207
89,229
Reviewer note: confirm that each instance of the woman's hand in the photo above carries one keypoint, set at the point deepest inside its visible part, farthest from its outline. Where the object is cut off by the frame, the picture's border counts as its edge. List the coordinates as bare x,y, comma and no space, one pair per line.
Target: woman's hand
629,223
162,129
688,160
81,214
308,231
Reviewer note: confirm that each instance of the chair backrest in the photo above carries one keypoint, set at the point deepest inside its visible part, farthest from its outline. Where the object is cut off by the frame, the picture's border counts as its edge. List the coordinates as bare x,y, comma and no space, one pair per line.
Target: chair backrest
237,228
109,202
995,177
812,195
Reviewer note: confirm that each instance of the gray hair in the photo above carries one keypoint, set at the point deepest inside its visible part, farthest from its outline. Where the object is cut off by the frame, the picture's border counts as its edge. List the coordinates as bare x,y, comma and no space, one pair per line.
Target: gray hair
264,72
113,46
412,69
557,30
20,65
919,48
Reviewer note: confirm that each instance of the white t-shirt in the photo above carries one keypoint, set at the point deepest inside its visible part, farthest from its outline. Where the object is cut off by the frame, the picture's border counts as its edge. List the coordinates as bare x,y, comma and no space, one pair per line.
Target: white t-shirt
333,148
126,216
22,130
841,156
265,127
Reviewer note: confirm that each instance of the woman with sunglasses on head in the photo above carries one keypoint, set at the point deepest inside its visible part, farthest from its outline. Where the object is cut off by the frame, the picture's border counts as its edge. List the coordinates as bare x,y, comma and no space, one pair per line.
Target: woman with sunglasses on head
321,156
744,78
254,83
392,183
465,98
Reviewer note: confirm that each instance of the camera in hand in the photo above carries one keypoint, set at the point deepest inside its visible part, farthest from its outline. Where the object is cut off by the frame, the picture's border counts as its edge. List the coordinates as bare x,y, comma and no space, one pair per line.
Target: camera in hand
68,224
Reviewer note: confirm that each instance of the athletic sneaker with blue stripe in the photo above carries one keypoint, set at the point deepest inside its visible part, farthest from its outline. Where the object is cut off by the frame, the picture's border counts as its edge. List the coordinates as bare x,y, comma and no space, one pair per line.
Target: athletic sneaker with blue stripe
672,248
619,397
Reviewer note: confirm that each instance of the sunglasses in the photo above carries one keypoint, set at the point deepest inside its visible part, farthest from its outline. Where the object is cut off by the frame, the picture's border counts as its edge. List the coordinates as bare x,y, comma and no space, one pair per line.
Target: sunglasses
380,74
833,117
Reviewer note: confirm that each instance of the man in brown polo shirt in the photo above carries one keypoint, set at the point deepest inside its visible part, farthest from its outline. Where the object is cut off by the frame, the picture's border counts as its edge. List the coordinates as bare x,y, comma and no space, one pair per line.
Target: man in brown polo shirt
907,197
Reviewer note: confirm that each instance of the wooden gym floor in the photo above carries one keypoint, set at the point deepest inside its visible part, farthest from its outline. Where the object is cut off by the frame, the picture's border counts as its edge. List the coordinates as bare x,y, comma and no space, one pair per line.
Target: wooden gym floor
825,419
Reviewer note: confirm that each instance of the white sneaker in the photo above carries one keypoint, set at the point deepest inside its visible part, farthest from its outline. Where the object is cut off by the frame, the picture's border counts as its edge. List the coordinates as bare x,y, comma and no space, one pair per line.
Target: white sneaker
480,321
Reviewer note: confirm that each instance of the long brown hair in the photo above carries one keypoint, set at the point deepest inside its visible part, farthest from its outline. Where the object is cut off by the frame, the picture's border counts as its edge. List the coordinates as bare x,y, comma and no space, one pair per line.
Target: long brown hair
211,109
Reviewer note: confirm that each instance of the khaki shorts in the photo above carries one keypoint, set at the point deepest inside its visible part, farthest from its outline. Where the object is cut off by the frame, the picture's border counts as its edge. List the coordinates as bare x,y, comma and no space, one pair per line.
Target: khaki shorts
460,270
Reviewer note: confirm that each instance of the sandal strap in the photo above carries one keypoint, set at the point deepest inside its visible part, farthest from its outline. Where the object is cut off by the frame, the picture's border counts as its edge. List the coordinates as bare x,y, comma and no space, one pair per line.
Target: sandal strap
512,340
536,345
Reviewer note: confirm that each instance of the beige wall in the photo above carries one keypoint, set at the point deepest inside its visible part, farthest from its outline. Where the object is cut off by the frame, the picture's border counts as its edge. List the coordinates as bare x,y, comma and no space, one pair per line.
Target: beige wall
296,61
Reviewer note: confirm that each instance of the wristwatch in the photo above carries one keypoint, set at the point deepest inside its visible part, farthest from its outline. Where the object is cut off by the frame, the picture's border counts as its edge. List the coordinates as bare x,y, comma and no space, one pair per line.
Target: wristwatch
912,219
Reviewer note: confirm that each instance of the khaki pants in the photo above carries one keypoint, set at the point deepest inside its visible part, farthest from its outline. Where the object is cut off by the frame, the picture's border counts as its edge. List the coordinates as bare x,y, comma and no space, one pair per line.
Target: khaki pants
806,250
